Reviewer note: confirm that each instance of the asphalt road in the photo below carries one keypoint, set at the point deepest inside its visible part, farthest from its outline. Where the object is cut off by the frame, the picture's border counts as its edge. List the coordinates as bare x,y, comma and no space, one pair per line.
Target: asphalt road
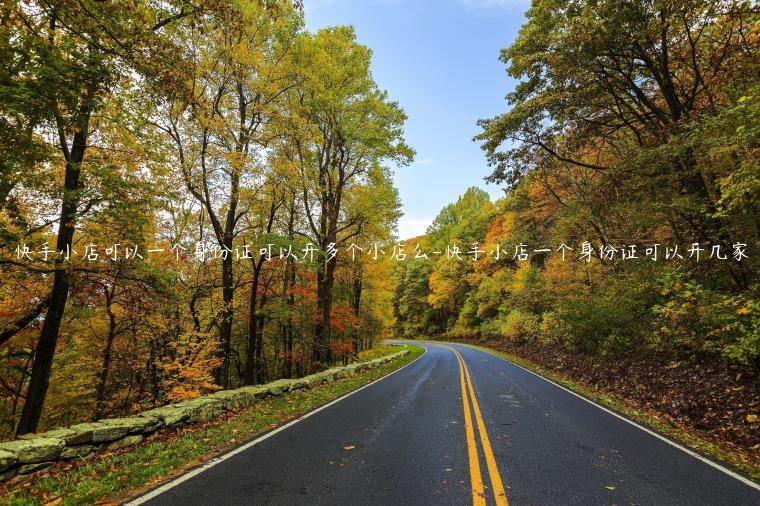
410,439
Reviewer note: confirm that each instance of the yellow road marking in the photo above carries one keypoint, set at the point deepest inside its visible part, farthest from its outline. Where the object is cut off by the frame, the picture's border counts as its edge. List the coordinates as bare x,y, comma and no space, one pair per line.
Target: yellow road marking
497,486
476,480
493,471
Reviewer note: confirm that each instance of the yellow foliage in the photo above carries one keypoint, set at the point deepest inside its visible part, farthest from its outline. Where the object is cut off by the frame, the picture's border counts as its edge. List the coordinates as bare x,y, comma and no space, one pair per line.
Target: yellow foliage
519,278
188,366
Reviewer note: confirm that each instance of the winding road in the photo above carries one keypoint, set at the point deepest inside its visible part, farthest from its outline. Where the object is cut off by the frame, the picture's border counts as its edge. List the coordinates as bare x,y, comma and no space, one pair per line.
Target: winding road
460,426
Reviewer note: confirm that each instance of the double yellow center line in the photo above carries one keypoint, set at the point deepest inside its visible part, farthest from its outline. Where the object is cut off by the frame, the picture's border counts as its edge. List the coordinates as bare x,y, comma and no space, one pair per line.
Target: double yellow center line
478,493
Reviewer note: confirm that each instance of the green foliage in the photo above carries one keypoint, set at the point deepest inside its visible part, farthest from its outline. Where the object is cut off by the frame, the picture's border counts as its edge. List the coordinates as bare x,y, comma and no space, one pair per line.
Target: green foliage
745,348
600,325
691,319
626,127
729,140
413,316
516,326
463,222
221,125
686,316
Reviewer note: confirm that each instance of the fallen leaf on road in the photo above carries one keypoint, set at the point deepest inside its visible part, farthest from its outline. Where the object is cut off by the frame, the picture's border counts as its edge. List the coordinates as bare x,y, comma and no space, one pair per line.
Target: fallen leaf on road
349,447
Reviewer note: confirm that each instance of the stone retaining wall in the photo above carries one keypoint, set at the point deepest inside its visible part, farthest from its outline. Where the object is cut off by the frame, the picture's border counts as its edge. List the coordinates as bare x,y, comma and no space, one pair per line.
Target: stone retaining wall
37,451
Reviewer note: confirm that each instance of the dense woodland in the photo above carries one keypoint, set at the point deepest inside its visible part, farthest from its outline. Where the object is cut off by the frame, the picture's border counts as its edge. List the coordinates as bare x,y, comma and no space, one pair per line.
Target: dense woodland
226,127
211,130
633,123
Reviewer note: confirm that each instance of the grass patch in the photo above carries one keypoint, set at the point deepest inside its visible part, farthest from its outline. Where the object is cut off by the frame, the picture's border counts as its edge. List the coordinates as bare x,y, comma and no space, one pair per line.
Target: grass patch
114,476
377,351
653,420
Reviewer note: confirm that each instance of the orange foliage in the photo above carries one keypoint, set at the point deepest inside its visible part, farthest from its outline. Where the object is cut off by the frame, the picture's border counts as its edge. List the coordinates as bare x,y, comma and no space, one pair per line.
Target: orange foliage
188,367
343,348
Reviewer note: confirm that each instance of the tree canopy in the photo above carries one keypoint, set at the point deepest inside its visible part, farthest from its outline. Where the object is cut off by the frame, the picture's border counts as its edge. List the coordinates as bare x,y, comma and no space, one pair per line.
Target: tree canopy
164,166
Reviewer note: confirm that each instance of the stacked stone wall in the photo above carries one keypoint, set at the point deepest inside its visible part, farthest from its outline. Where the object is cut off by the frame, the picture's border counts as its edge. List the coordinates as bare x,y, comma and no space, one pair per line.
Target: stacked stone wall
33,452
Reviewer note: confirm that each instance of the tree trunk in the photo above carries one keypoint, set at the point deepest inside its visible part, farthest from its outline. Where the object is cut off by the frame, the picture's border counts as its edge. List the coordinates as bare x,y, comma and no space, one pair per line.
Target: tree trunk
260,372
325,282
43,355
100,391
225,325
250,355
356,304
283,324
289,342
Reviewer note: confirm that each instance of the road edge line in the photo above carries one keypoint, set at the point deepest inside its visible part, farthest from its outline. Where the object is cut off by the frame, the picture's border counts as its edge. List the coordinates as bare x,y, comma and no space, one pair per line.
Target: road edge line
142,499
747,481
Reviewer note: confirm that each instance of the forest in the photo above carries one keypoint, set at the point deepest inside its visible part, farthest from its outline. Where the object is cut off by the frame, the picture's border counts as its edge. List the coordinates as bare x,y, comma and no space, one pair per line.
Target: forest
176,179
193,197
633,124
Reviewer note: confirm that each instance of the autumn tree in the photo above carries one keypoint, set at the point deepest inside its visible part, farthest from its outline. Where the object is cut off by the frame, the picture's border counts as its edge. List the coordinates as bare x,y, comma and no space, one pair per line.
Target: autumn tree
633,122
55,45
608,92
350,129
192,136
220,123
